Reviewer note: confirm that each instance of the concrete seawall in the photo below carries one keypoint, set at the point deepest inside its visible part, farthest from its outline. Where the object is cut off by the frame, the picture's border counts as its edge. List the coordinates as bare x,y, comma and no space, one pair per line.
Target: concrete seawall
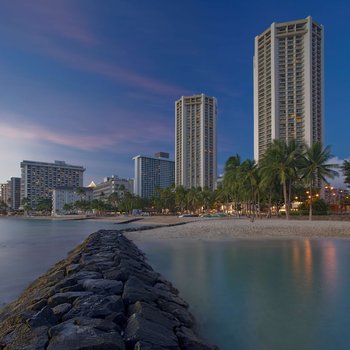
104,295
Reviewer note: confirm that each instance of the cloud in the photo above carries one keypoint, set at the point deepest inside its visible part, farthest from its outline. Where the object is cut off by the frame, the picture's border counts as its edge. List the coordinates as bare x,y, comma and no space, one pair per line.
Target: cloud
53,29
338,182
54,19
130,135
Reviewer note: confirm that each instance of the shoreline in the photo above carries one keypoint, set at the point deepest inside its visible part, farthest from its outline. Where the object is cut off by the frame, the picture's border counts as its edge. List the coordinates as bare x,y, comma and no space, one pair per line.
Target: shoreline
234,228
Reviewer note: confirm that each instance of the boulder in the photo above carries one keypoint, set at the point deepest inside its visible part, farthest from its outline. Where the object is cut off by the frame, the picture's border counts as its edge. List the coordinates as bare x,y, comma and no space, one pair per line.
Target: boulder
95,306
70,335
44,317
135,290
154,314
181,313
68,297
61,309
139,329
102,286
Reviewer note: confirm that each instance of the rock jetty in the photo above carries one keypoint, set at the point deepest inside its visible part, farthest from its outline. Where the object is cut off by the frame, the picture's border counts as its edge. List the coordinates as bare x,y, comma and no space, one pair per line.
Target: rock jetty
104,295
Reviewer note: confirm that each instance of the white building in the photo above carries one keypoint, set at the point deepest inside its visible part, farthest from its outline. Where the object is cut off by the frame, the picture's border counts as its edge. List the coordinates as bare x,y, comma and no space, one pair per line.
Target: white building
68,195
288,84
113,184
38,179
152,173
196,141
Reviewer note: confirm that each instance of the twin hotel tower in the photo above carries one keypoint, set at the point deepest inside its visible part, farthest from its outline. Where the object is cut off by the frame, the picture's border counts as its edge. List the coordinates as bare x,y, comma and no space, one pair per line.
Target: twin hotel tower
288,104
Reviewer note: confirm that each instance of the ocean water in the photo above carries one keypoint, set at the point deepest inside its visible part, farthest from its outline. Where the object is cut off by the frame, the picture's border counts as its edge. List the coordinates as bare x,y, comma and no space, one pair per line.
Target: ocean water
28,248
263,294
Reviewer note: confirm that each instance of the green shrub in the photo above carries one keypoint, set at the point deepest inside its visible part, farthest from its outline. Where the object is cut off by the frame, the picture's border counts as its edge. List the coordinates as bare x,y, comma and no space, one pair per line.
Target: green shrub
319,207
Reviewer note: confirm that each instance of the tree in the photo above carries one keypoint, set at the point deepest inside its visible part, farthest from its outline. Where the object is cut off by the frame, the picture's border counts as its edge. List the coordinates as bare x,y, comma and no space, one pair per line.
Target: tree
44,205
180,198
26,205
315,167
346,171
281,159
80,192
114,199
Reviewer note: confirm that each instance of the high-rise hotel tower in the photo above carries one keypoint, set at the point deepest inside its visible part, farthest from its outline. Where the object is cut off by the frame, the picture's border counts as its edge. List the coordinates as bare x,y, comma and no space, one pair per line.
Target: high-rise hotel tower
195,137
288,84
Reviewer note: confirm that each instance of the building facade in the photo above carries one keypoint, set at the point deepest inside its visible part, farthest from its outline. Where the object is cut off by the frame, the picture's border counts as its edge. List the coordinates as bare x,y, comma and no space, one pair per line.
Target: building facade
196,141
68,195
5,193
38,179
152,173
14,188
288,84
112,184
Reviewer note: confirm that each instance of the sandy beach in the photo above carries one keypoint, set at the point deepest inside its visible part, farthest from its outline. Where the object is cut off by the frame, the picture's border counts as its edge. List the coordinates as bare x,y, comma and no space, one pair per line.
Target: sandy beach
243,228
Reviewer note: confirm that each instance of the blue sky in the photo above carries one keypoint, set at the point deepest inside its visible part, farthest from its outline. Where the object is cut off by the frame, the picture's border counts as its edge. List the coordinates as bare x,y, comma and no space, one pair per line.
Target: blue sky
94,83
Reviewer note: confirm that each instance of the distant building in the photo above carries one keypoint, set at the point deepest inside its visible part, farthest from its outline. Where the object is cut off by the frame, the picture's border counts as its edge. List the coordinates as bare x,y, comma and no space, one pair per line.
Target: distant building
152,173
39,179
288,84
196,141
68,195
112,184
14,190
5,193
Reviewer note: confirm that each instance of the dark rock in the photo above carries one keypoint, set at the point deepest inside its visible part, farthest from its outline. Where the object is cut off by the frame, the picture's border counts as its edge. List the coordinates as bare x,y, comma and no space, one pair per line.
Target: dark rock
168,296
61,309
135,290
83,275
75,288
142,345
189,341
140,329
117,317
117,274
181,313
68,297
75,336
166,286
45,317
154,314
102,286
94,306
102,325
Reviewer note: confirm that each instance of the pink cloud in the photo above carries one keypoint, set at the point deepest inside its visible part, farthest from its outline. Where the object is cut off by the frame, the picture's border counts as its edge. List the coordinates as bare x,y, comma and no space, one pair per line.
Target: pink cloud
51,18
122,137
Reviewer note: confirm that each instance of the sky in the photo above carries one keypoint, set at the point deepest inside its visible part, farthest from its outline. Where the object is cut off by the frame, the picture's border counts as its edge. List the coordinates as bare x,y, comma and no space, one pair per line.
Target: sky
94,83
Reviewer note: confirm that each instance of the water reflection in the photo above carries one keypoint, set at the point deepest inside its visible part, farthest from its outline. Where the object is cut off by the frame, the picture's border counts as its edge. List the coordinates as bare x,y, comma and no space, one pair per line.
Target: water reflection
330,267
263,294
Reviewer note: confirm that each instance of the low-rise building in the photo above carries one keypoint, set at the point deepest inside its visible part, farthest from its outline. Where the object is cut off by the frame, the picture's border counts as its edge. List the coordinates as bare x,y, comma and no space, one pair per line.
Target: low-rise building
68,195
112,184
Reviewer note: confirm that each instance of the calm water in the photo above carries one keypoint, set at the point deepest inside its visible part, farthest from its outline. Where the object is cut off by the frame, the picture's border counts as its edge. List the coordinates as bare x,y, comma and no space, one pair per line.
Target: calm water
290,294
282,294
28,248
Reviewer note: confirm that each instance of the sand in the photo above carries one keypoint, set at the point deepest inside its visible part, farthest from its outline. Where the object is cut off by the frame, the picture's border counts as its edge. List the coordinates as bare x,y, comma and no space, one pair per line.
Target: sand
243,228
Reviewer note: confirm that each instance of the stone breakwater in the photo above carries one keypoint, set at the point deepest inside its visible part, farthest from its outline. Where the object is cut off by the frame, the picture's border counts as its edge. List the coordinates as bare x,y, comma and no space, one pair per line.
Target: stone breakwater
104,295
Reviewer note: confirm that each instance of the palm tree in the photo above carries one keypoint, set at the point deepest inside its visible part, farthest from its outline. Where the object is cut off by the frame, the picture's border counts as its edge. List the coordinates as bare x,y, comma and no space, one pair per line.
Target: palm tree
315,167
250,183
281,160
232,180
346,172
194,198
180,197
